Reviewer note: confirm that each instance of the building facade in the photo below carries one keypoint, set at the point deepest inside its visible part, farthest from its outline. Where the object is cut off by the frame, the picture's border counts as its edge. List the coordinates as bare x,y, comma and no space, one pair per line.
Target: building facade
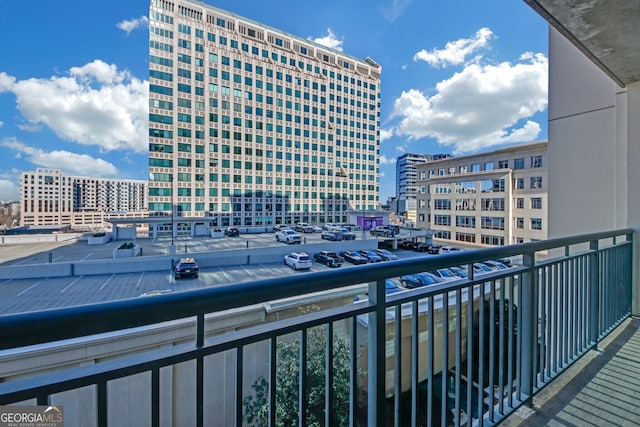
406,175
51,197
251,126
487,199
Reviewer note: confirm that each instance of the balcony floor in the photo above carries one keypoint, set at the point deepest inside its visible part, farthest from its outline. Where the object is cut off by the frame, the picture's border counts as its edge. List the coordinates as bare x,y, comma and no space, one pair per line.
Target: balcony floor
601,389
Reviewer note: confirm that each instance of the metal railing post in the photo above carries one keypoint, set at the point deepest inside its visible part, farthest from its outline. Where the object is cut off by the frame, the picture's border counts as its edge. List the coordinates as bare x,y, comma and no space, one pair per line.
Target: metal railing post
529,318
376,356
594,294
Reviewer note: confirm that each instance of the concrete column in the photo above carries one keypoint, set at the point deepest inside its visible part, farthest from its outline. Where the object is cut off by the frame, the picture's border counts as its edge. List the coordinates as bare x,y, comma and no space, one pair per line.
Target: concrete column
633,177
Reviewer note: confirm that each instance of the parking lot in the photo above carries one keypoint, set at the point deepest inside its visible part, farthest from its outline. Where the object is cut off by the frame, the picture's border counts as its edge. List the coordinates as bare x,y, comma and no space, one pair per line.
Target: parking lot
19,295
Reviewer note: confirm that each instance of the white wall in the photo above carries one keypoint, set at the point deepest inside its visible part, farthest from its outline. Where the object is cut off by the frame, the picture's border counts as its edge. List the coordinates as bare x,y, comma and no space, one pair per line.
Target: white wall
594,149
586,144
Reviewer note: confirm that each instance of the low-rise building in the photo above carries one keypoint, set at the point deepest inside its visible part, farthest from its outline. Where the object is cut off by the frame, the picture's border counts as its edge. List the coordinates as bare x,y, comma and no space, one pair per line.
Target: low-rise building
495,198
51,197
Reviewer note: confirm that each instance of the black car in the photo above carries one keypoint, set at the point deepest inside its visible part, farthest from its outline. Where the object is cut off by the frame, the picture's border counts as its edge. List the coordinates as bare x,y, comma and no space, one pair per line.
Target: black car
331,259
232,232
421,246
406,244
354,257
185,267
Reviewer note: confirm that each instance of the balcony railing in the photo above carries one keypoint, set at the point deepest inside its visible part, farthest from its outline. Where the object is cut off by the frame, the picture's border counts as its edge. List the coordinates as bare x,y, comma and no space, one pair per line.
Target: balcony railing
468,350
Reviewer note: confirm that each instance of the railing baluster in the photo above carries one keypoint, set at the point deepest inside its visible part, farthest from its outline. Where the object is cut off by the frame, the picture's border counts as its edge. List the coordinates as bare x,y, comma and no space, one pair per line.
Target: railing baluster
501,347
430,361
200,374
377,353
155,397
470,314
102,404
239,375
481,364
444,365
415,361
397,399
273,385
527,328
492,344
594,293
303,397
353,373
329,407
458,355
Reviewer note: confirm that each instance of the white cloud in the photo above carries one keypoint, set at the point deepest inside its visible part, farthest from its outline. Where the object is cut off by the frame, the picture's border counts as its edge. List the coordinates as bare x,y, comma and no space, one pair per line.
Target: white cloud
1,124
72,163
479,107
386,134
132,24
8,191
384,160
330,40
456,52
6,82
393,11
95,105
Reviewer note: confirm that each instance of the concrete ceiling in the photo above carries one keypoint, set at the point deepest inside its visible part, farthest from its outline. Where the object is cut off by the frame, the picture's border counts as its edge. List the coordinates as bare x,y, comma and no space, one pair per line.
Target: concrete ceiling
606,31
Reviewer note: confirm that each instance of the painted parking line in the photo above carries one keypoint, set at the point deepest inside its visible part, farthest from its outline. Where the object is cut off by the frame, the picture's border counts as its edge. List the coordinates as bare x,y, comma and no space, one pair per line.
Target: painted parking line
87,256
32,286
70,284
106,282
24,260
246,270
6,281
57,258
226,276
140,280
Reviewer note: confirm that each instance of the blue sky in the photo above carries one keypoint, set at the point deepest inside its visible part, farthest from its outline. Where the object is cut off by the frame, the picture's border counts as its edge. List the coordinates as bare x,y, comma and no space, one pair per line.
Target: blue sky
458,76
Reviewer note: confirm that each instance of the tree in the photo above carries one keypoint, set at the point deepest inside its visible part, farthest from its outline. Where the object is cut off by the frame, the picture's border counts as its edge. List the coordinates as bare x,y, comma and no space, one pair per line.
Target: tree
256,406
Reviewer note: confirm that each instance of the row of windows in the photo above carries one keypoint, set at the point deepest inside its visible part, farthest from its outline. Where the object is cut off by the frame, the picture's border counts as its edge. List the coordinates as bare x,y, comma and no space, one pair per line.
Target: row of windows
519,163
263,53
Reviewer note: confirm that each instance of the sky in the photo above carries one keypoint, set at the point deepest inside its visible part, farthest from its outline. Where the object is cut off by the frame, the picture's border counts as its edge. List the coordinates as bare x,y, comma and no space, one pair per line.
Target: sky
458,77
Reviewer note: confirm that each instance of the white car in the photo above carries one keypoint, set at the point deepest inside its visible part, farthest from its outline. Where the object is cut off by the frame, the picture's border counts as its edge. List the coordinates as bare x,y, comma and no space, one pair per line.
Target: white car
289,237
298,260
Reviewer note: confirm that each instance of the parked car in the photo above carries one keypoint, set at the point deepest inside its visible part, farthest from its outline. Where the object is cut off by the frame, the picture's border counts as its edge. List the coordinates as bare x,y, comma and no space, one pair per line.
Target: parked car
232,232
289,237
443,274
354,257
417,280
317,229
495,265
421,246
280,227
331,235
303,227
298,260
460,272
390,287
371,256
384,230
433,249
331,259
407,244
449,249
385,254
185,267
347,234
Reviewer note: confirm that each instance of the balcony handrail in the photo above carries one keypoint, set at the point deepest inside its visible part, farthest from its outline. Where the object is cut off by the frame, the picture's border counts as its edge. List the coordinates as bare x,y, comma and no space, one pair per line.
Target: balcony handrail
31,328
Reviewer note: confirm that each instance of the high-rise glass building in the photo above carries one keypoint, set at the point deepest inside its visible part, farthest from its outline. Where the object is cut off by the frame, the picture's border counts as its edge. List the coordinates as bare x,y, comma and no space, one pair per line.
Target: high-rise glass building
406,175
252,126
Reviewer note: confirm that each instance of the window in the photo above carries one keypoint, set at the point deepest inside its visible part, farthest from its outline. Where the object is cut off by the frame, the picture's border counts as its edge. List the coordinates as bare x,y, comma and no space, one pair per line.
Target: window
520,203
518,163
519,222
518,183
466,221
536,203
536,223
503,164
536,161
536,182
